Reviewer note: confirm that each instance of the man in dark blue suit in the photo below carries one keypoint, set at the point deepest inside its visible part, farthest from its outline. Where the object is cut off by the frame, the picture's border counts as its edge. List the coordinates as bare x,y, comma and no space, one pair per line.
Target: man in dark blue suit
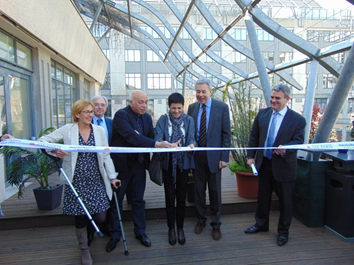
208,164
132,127
100,107
277,169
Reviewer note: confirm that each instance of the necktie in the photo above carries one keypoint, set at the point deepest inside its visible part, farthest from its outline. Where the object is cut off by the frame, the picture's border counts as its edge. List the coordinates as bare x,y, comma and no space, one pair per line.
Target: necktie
202,131
271,136
99,122
141,132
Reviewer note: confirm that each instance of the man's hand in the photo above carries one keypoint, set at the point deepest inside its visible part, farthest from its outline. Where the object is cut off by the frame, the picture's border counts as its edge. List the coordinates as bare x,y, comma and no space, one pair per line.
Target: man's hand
250,161
279,151
222,164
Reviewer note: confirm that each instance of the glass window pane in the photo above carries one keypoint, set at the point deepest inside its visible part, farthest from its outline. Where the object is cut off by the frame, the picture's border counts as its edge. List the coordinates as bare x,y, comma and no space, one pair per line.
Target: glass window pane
52,74
59,73
7,47
24,56
68,79
19,107
2,106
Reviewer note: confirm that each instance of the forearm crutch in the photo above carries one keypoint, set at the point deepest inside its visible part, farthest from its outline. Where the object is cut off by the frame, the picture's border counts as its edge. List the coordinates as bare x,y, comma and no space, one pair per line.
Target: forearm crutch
120,222
56,160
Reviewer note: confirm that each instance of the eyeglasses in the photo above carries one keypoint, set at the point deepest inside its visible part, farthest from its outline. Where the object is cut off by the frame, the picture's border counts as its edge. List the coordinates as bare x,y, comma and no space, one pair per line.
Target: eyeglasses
100,105
87,111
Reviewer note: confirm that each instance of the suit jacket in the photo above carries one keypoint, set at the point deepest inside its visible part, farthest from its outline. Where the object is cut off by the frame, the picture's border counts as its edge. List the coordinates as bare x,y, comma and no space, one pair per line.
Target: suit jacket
162,134
291,131
108,122
219,132
124,135
69,134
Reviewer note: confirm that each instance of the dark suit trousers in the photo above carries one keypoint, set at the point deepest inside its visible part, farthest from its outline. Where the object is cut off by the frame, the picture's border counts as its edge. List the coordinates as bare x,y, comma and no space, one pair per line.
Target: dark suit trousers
175,192
204,177
284,191
137,182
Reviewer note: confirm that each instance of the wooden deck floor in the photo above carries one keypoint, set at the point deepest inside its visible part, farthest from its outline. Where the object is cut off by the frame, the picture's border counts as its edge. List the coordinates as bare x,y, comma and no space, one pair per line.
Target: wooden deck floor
24,213
58,245
30,236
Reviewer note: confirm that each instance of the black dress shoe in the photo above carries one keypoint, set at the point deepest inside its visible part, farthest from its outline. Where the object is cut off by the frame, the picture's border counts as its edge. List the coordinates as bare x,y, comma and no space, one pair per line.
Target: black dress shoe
144,240
172,236
112,243
181,237
282,240
255,229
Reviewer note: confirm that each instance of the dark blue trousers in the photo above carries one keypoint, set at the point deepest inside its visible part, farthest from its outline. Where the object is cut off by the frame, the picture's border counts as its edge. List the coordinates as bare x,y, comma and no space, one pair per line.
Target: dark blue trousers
136,181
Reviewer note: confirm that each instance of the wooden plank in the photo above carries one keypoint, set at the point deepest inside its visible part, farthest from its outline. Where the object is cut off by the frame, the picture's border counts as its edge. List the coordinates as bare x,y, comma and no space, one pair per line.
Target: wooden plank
58,245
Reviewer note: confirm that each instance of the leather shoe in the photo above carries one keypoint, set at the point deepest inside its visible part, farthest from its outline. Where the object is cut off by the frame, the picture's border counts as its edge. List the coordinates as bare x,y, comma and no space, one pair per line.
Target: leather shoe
216,234
199,228
172,236
144,240
282,240
255,229
112,243
181,237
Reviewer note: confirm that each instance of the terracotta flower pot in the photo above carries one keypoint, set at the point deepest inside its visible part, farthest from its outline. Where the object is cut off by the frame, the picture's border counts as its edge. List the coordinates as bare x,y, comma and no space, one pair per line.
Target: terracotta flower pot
247,185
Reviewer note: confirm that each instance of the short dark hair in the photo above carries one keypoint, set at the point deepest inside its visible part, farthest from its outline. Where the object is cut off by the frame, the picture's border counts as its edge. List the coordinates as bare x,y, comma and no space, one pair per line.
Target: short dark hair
175,98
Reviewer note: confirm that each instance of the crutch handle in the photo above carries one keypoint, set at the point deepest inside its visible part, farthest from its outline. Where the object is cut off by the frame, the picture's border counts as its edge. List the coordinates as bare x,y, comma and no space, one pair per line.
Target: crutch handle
55,158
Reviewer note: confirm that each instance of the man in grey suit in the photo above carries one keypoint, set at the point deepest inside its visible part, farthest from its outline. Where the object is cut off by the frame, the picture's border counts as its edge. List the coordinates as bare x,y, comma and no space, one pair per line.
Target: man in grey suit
212,123
275,126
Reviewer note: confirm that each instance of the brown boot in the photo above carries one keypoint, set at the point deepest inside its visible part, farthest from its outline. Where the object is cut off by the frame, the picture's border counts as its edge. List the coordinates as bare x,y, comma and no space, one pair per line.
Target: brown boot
81,235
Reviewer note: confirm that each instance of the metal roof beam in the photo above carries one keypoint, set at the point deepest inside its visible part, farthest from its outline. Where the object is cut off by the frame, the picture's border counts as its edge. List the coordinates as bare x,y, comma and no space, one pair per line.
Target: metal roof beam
180,29
95,18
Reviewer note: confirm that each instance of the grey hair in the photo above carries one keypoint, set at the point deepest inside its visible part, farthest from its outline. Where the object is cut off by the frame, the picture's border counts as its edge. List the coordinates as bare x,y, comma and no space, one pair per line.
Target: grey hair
203,81
99,96
282,87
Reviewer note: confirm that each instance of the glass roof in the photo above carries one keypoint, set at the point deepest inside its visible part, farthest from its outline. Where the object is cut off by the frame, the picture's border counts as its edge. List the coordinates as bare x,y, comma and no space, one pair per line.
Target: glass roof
141,21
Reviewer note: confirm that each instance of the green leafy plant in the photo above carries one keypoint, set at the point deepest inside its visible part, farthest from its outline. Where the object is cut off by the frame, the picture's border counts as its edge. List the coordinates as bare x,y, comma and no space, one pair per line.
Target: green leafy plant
244,109
27,165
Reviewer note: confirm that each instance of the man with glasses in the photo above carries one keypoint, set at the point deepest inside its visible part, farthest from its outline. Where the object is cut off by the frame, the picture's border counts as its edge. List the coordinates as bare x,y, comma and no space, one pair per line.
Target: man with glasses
100,107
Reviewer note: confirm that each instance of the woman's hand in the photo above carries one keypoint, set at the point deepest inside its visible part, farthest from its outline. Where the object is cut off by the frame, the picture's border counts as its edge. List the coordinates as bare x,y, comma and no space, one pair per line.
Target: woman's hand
60,153
116,183
6,136
191,146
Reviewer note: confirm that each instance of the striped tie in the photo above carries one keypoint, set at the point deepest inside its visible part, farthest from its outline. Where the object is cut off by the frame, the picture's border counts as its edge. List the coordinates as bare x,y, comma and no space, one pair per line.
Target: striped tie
141,132
202,132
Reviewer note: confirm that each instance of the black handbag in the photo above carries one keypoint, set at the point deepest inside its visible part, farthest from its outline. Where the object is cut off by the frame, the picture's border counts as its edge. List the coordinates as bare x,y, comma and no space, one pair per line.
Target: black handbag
155,169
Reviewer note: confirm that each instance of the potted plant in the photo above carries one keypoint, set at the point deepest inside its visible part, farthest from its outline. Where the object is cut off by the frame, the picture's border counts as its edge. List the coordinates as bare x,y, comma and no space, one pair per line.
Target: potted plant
244,109
27,165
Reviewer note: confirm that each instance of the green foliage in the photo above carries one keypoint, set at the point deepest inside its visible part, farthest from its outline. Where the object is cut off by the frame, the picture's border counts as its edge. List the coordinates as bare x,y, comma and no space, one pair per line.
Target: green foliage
29,165
244,109
235,167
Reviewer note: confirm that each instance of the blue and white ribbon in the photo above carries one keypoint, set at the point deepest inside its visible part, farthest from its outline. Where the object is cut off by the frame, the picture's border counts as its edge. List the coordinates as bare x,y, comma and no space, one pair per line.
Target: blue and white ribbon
105,149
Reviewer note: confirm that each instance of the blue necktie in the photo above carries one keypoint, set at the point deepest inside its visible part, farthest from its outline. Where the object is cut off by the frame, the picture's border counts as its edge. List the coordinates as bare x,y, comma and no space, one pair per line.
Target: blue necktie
271,136
99,122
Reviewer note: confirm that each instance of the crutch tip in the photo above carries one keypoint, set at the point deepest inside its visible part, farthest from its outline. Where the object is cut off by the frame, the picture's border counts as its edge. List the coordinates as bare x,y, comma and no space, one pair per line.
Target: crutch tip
126,253
100,234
